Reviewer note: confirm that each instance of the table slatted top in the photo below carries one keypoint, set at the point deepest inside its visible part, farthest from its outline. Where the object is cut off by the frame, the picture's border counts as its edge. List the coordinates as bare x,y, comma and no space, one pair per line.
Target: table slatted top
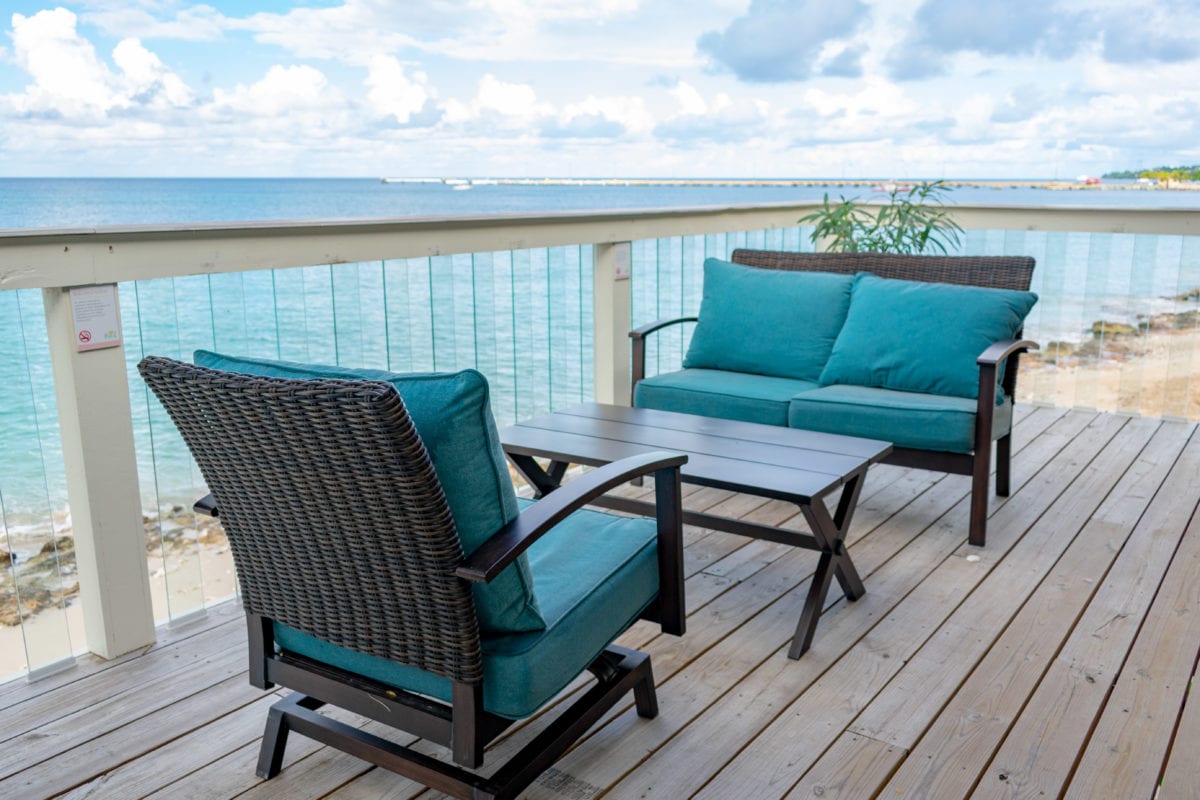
766,460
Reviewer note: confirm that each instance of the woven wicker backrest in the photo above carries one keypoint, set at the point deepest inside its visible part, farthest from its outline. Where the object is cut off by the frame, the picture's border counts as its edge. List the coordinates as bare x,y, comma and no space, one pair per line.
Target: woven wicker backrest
997,272
335,516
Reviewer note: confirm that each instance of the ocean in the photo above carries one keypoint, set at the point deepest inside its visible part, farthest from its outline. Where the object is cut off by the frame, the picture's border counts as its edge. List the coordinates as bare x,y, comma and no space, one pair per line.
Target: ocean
75,202
301,314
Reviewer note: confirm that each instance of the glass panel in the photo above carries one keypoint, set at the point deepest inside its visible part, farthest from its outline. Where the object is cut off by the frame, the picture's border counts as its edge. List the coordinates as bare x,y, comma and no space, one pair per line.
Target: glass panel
1181,394
39,613
181,321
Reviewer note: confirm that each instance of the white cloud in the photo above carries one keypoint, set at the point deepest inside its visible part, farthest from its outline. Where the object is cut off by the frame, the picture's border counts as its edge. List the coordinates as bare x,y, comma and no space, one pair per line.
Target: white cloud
630,112
281,91
68,78
392,92
509,99
560,9
147,78
70,81
604,87
198,23
500,103
689,99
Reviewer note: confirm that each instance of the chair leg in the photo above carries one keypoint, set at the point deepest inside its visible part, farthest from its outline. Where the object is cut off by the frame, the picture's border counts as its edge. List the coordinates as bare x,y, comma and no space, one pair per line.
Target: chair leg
617,669
274,740
1003,464
979,496
645,696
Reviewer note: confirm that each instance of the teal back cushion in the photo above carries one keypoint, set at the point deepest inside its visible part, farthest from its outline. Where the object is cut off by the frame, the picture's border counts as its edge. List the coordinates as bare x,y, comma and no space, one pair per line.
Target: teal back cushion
768,321
922,337
453,417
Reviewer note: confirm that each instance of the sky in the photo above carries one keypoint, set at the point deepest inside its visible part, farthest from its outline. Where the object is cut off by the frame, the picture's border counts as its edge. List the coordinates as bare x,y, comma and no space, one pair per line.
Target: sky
604,88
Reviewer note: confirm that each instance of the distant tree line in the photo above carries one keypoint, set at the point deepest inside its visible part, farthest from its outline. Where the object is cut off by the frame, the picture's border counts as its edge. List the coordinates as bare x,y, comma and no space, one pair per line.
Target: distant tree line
1191,173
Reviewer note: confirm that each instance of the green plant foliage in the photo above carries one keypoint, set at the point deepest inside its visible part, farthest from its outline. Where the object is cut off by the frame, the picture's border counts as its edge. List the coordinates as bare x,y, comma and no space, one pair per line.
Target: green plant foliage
1161,174
913,220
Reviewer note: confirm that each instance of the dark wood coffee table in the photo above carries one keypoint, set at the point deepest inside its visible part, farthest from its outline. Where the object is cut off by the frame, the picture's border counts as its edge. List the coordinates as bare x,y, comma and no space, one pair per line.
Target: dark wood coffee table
802,467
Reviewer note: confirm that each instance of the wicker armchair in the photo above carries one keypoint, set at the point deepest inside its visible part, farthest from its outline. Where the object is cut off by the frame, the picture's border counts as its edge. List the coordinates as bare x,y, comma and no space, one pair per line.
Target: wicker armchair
344,541
998,364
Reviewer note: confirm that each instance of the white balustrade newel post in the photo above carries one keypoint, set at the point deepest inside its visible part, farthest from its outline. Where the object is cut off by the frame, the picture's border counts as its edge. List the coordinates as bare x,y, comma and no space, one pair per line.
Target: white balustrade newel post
611,300
102,484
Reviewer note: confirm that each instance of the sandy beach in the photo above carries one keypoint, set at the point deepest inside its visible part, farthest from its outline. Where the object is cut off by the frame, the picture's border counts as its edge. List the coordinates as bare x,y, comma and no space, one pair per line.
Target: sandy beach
190,567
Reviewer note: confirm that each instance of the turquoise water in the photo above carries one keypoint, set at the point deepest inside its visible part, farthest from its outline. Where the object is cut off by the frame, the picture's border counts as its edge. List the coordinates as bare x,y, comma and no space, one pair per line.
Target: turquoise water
495,311
70,202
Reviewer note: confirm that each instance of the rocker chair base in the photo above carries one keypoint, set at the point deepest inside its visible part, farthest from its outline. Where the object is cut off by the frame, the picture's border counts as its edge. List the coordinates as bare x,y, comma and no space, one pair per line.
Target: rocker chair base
617,669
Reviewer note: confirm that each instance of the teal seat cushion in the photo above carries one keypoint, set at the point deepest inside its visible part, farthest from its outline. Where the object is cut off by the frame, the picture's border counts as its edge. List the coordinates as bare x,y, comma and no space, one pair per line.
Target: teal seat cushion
714,393
453,417
907,419
921,337
768,321
594,574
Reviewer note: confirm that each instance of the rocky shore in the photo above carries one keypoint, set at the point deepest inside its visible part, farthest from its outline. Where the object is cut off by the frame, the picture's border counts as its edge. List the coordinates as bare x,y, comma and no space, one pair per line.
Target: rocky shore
1150,367
46,571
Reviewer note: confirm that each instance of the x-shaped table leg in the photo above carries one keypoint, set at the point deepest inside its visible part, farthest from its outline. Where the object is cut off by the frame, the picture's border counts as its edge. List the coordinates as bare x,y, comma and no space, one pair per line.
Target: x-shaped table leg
830,533
543,481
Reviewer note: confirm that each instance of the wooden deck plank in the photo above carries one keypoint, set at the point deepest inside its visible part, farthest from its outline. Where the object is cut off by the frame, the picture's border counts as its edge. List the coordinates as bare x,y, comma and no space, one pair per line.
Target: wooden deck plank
1001,663
124,680
109,750
167,638
1127,750
962,738
938,578
95,720
616,747
856,767
1181,777
899,715
1042,748
180,757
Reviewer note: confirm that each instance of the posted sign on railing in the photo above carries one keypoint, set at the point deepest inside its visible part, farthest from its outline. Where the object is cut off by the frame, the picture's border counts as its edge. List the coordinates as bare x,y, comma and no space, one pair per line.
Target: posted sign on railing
97,322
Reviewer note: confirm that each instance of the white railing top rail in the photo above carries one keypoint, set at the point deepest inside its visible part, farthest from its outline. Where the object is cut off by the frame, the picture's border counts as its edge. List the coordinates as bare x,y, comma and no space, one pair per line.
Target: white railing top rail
43,258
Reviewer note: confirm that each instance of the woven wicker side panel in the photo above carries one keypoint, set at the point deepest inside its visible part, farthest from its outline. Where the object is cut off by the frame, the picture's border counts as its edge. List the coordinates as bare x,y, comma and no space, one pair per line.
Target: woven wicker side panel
335,517
997,272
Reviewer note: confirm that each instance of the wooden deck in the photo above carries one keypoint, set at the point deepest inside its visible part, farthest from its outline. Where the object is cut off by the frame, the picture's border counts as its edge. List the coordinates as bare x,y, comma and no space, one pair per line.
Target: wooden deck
1054,662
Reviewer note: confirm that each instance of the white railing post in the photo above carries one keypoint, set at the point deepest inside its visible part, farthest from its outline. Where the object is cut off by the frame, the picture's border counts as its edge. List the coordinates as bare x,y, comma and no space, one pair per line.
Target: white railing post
612,270
102,485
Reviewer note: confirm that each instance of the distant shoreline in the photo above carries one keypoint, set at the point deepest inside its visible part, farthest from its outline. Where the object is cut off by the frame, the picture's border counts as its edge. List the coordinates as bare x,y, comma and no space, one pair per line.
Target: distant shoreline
884,185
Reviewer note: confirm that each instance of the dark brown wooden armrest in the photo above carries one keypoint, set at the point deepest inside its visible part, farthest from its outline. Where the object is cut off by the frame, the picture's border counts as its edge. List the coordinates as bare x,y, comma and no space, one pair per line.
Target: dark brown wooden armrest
1002,350
989,362
639,347
206,505
651,327
515,538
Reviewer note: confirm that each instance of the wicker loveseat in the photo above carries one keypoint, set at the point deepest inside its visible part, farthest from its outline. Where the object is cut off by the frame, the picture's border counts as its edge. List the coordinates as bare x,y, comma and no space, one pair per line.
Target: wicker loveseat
917,350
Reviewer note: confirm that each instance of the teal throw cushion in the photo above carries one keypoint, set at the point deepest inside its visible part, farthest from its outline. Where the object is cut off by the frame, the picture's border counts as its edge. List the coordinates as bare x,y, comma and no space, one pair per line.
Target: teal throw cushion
921,337
767,321
453,416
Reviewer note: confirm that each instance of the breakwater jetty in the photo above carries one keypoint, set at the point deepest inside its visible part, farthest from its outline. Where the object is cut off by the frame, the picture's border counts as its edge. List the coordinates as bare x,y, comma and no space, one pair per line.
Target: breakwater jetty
878,184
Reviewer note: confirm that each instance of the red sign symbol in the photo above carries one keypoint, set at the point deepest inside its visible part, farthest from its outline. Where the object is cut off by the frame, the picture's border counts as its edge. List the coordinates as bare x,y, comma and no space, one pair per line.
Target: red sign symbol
85,336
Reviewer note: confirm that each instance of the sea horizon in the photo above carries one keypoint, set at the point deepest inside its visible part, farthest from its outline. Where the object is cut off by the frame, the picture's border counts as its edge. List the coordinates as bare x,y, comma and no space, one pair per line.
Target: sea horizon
69,202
